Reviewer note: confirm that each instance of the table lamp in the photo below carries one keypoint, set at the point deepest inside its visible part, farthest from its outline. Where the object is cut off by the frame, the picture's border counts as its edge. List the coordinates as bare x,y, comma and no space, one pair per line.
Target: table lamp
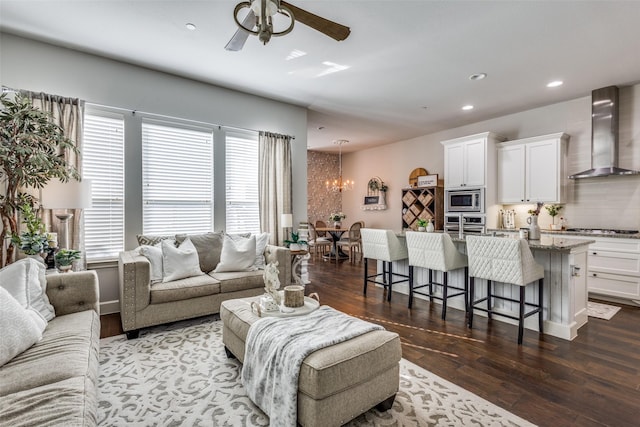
286,223
66,195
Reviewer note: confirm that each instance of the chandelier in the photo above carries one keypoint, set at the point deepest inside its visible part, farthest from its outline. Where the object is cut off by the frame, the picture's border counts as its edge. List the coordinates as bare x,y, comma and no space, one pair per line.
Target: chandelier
337,185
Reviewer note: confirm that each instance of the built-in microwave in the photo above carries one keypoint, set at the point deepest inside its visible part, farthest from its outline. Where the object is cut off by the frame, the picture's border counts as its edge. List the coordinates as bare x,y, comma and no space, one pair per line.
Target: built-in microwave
467,200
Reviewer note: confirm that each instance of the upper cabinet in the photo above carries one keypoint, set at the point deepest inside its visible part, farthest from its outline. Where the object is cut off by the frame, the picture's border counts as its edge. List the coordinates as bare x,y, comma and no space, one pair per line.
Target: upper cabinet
532,169
470,161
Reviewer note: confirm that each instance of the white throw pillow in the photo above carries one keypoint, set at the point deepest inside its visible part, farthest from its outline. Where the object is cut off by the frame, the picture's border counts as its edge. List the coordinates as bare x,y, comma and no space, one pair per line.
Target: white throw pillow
20,327
154,255
262,240
26,281
180,262
237,255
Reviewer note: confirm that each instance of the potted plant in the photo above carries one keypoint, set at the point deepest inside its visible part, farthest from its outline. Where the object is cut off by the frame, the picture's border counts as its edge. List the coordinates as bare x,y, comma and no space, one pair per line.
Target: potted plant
422,224
34,241
295,244
65,258
33,158
554,210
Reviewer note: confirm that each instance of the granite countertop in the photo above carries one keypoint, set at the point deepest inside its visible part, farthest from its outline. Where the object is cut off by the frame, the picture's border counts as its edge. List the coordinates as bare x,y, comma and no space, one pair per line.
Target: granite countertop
571,233
549,243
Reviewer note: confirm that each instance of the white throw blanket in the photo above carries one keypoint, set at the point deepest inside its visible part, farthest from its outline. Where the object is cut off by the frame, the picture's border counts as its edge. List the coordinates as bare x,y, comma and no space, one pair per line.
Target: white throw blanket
275,349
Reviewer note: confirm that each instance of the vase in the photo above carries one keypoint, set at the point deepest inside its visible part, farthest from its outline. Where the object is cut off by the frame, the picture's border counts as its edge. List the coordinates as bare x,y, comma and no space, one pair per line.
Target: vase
422,229
534,229
64,268
337,224
430,227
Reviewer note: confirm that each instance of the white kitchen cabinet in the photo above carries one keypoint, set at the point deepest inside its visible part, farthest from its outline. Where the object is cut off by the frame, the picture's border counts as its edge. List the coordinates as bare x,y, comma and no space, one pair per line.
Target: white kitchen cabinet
470,161
532,169
614,268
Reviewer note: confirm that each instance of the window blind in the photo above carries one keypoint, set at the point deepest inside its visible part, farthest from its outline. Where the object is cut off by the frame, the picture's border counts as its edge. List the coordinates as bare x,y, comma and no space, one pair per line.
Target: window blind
242,210
177,175
103,164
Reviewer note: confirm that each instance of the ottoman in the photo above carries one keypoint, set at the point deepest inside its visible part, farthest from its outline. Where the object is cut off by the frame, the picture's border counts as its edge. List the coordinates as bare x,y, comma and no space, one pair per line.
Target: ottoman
336,383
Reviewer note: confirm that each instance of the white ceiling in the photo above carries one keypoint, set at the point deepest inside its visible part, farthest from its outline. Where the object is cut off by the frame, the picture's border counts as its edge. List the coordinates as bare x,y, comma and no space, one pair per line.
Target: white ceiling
402,56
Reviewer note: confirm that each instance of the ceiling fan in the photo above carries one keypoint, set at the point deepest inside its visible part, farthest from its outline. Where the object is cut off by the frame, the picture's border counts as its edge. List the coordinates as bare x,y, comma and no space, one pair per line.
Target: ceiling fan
259,22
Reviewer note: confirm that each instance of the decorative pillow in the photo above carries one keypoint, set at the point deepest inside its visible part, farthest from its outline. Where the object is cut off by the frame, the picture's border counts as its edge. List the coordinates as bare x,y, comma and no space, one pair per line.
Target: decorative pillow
149,240
20,327
154,255
237,255
180,262
26,281
208,246
262,240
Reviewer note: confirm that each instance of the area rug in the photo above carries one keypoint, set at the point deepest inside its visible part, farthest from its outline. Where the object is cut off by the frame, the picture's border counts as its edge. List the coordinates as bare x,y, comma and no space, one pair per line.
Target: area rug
601,311
179,375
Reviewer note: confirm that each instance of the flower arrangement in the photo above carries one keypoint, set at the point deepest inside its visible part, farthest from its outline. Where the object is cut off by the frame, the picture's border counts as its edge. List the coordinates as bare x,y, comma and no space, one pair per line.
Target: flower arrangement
375,185
536,211
35,239
335,217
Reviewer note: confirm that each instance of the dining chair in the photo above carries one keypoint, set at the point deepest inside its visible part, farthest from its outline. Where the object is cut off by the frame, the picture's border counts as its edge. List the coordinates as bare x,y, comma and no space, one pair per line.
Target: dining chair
506,260
353,241
321,224
435,251
385,246
316,242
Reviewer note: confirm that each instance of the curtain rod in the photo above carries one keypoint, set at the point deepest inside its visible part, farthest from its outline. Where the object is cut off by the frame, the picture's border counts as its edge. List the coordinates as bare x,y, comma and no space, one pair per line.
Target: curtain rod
134,112
6,89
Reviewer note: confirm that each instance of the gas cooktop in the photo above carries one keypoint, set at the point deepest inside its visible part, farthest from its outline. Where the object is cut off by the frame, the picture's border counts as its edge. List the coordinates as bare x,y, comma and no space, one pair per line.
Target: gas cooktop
602,231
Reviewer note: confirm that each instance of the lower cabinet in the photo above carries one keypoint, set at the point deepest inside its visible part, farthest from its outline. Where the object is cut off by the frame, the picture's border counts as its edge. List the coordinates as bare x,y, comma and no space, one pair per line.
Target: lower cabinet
614,268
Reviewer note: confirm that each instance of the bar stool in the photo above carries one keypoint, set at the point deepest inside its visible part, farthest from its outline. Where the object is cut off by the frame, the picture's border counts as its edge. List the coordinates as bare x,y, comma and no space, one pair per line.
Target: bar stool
382,245
436,251
509,261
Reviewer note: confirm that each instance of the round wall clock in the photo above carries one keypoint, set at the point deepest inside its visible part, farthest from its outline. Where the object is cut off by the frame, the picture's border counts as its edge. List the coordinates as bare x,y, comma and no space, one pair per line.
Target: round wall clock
413,176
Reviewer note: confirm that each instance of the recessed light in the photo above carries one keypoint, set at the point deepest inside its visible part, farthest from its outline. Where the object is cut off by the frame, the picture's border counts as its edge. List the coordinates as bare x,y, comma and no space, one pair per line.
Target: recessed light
478,76
467,107
190,26
424,107
555,83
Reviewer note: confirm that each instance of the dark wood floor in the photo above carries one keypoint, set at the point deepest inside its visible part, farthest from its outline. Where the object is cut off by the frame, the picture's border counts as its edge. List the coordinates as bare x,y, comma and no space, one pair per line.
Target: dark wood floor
593,380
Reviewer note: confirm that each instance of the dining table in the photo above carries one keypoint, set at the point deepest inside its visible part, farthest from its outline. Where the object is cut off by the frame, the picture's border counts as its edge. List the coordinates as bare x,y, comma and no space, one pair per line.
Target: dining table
336,252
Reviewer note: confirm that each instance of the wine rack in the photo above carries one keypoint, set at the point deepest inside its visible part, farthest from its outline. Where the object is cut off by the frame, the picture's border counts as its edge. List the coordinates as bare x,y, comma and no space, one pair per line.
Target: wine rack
422,203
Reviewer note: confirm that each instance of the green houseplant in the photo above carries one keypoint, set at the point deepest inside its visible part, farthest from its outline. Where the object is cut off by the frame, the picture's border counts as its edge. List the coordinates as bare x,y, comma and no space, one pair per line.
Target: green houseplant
34,240
31,153
295,244
554,210
422,224
64,258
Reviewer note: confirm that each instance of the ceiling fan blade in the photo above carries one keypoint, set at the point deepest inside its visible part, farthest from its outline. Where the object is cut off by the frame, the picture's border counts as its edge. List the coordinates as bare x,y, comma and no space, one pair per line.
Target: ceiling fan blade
332,29
240,36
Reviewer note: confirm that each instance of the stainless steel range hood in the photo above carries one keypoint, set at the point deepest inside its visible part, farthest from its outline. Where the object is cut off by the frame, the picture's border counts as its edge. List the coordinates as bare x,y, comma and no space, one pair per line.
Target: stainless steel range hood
604,135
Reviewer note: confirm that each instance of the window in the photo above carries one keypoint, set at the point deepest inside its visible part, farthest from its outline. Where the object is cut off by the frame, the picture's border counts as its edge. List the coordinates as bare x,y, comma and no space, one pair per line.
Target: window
103,164
177,178
241,152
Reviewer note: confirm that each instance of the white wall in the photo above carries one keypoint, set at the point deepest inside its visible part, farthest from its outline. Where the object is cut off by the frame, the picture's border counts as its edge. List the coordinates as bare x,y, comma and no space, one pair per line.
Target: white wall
40,67
611,202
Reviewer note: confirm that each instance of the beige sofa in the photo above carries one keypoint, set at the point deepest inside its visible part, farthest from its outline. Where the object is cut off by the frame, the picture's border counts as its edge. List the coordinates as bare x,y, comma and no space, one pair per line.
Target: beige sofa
55,381
144,304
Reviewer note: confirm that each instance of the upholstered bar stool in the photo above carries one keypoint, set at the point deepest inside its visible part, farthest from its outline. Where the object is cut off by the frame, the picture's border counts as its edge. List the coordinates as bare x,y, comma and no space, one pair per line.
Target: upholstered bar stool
509,261
385,246
436,251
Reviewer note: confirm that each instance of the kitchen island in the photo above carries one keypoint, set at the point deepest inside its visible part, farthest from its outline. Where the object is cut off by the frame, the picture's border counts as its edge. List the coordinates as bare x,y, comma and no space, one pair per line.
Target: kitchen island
565,285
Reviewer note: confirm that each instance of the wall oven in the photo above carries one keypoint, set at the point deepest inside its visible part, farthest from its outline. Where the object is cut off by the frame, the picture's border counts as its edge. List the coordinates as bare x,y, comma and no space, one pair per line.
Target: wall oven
467,200
470,223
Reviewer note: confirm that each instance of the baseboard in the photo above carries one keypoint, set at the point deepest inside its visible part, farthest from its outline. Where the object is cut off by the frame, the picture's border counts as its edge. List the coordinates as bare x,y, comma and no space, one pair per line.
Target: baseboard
110,307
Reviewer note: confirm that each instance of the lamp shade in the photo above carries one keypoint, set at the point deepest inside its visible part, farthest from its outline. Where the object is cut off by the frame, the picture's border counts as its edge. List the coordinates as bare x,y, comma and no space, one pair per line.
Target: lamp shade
66,195
286,220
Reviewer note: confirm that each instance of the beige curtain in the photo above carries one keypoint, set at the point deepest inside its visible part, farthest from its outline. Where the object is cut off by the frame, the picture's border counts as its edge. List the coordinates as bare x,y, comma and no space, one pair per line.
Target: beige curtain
68,113
275,183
